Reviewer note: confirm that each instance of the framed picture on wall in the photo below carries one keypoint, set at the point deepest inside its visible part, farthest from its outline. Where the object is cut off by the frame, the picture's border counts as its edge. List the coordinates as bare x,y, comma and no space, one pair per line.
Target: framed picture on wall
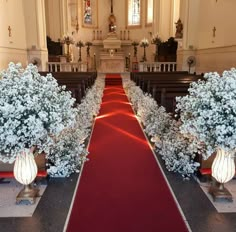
89,13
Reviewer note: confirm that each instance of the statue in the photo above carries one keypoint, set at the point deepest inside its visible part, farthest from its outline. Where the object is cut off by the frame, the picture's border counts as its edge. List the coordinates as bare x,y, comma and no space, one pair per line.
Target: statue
112,21
179,29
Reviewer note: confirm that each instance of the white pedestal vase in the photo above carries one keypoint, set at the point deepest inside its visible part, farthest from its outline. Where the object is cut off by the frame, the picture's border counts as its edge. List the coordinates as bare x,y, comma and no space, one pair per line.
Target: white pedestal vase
25,171
223,170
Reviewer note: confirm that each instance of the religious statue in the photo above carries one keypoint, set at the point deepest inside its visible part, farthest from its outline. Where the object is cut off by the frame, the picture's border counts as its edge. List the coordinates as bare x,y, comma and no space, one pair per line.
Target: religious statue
112,21
179,29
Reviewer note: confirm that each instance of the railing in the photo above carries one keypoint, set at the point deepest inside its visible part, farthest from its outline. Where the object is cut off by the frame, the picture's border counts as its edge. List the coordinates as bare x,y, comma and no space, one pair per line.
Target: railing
157,66
66,67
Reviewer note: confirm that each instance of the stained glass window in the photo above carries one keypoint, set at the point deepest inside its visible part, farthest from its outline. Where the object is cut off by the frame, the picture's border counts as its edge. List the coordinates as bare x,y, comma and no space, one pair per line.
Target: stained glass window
134,15
87,12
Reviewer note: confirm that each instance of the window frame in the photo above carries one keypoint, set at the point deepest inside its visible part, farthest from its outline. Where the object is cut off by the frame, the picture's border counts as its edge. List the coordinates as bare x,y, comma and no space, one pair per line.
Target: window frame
127,16
94,15
148,24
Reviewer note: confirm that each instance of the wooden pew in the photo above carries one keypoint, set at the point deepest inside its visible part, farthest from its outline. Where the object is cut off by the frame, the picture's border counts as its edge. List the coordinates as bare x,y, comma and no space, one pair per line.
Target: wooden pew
136,76
76,82
150,84
146,82
165,87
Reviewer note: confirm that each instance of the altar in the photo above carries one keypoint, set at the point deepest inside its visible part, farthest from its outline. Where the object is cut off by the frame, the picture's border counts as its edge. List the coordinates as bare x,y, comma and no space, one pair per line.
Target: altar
112,63
111,58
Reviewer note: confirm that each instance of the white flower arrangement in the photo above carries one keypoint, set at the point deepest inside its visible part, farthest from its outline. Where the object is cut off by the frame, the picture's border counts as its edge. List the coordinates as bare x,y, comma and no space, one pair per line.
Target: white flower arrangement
177,151
80,44
67,39
208,113
156,39
69,152
33,110
144,42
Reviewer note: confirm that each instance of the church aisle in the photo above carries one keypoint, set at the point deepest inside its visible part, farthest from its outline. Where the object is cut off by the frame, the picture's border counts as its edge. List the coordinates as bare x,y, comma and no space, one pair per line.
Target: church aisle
122,187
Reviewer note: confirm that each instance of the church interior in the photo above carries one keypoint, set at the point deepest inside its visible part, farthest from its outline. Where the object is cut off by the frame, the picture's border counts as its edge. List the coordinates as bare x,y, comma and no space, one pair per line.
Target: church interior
117,115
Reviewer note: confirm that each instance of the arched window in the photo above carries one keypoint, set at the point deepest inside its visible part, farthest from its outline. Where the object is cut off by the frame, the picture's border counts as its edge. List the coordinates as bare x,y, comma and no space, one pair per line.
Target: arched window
149,12
133,13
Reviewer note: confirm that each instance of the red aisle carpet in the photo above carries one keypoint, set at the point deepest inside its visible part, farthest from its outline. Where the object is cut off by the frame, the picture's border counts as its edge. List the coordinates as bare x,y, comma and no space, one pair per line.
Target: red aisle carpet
122,188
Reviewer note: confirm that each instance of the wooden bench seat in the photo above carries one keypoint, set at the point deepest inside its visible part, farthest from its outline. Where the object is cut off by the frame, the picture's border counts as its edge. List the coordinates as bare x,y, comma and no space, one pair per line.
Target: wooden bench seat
165,86
134,76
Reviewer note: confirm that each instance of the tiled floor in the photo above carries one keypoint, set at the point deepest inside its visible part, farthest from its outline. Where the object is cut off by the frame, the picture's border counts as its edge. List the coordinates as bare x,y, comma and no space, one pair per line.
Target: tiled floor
51,212
50,215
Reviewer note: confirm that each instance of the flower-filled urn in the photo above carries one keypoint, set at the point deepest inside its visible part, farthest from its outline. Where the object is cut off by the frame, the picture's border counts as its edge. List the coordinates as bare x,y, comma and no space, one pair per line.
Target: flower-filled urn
208,115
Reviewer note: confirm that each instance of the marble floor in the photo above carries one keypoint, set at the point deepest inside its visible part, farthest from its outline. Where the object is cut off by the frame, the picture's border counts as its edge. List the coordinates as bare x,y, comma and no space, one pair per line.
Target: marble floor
51,212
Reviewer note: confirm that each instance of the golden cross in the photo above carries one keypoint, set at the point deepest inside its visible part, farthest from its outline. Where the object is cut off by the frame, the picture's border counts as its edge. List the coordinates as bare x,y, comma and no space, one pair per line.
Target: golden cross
9,31
214,32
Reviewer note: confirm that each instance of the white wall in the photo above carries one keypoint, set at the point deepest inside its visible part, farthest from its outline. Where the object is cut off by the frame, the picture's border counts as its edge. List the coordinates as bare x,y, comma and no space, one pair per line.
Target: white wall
54,14
222,16
12,48
199,18
28,33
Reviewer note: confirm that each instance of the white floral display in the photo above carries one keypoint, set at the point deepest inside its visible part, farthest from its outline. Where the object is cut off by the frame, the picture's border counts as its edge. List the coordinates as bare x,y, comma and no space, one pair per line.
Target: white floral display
144,42
33,110
177,151
69,151
208,113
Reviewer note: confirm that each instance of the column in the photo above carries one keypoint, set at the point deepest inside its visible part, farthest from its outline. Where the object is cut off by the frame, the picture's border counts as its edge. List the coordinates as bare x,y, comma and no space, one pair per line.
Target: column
35,24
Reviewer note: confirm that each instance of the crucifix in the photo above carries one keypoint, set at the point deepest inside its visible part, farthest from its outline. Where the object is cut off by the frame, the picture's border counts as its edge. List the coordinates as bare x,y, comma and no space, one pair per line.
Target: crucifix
214,32
9,31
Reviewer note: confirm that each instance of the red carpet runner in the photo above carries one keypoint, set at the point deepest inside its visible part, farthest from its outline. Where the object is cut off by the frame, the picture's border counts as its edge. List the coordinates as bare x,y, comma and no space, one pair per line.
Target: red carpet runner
122,188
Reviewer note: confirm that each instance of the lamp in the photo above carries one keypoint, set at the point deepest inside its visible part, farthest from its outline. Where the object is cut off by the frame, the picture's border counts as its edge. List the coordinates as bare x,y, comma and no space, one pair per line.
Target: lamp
223,170
25,171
